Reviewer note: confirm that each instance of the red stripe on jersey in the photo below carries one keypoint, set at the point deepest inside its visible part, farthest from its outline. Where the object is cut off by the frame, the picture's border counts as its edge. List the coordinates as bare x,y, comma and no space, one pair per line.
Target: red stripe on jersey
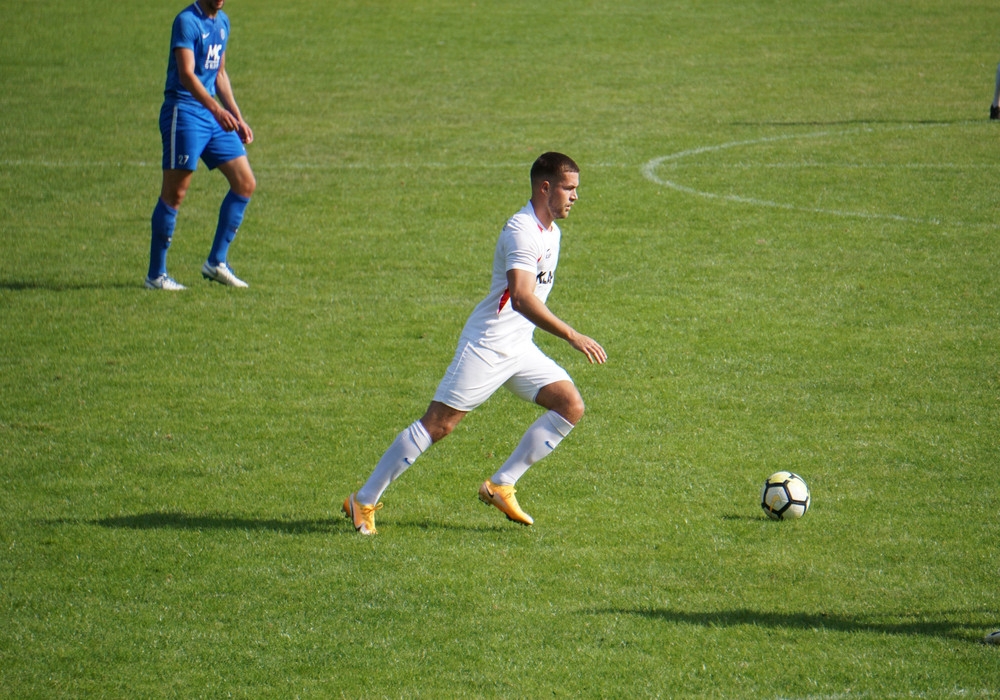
504,298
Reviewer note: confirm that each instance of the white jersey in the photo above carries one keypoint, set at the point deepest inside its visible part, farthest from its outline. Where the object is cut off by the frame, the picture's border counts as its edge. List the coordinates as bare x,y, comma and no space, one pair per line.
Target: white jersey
524,244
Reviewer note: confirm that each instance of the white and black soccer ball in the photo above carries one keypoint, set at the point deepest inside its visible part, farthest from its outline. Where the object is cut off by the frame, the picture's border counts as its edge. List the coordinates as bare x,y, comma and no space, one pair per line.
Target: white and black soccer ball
992,638
785,496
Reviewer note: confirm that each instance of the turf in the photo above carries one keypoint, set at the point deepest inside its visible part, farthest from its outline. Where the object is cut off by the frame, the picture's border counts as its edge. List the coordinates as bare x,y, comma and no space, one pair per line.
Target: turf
786,241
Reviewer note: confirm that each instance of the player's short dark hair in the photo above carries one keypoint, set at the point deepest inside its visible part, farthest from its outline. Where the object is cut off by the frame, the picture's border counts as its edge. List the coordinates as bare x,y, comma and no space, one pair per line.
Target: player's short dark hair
551,166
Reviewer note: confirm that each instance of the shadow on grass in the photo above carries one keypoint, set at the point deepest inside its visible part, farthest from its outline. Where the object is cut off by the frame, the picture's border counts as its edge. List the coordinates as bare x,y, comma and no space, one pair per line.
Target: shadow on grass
919,625
69,285
424,524
734,517
184,521
862,122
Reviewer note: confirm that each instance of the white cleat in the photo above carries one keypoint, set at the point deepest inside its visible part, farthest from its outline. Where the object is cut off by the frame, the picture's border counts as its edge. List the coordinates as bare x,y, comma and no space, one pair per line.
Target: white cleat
164,282
221,273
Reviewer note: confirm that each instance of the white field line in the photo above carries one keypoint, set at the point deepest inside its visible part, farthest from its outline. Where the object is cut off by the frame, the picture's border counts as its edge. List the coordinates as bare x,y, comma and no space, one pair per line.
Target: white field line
649,171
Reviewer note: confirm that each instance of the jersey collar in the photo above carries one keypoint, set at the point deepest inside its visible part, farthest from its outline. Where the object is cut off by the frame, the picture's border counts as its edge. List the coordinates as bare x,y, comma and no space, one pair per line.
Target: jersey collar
537,222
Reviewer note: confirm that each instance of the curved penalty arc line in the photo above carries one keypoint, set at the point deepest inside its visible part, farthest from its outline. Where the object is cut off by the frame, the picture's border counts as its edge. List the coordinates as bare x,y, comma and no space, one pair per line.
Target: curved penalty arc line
649,171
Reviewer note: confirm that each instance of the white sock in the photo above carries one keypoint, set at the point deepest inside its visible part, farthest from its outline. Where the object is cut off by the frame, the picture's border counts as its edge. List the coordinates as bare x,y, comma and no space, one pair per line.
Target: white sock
996,92
402,453
538,441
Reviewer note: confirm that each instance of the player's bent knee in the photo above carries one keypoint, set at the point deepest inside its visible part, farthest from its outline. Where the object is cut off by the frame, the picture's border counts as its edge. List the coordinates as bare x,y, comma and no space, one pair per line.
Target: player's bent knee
564,399
244,186
249,186
242,181
439,421
574,410
439,431
571,408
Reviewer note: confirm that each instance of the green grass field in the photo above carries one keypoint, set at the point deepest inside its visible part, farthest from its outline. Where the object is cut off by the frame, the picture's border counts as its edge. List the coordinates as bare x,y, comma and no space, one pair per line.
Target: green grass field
786,240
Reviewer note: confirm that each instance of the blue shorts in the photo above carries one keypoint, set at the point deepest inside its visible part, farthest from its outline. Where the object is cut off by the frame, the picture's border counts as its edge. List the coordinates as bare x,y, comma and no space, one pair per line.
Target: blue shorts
190,133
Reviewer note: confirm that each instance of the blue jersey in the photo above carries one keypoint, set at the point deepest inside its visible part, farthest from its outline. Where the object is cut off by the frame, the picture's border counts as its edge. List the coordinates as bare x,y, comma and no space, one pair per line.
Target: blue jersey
207,38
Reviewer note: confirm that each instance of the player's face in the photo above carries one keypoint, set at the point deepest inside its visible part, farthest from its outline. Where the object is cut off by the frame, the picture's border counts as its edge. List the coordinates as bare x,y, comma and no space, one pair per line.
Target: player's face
211,6
562,194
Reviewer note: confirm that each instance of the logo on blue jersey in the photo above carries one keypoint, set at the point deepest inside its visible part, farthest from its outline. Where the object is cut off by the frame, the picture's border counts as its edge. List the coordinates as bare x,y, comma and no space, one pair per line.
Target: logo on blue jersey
214,57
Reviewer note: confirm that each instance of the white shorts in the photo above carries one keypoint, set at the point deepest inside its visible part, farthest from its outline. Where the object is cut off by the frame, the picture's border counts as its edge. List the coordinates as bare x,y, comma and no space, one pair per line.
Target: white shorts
476,373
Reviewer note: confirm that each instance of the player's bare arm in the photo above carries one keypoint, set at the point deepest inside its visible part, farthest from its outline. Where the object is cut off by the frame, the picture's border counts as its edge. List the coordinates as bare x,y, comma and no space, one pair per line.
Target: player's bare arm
521,285
185,72
224,89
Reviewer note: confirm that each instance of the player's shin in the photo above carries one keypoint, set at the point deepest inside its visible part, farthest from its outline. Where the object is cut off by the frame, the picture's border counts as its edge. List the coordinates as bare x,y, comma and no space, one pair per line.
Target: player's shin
230,217
402,453
163,221
539,440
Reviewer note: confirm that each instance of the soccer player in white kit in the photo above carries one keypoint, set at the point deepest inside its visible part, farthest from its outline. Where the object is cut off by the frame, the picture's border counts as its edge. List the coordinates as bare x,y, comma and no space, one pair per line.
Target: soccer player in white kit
496,349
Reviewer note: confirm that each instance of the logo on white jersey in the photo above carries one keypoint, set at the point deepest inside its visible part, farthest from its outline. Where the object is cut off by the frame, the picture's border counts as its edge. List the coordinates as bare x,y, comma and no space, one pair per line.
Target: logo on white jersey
213,59
545,276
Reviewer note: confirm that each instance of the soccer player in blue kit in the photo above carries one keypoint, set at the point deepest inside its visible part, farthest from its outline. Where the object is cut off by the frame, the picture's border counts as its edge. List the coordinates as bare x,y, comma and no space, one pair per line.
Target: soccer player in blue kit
496,350
194,124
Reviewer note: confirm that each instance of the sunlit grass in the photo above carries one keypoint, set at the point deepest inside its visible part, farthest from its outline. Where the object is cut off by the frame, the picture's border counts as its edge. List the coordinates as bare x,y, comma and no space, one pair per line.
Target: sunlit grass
785,241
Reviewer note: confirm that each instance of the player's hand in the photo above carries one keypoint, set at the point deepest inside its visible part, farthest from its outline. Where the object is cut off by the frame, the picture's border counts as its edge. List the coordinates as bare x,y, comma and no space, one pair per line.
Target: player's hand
591,348
226,119
245,132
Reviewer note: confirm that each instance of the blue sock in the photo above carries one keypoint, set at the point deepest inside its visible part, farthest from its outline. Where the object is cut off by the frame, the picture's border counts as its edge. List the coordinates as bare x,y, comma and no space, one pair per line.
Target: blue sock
163,222
230,218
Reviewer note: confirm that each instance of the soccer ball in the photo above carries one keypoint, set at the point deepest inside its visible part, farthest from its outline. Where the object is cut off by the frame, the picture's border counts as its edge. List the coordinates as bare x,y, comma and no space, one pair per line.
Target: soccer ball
785,496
